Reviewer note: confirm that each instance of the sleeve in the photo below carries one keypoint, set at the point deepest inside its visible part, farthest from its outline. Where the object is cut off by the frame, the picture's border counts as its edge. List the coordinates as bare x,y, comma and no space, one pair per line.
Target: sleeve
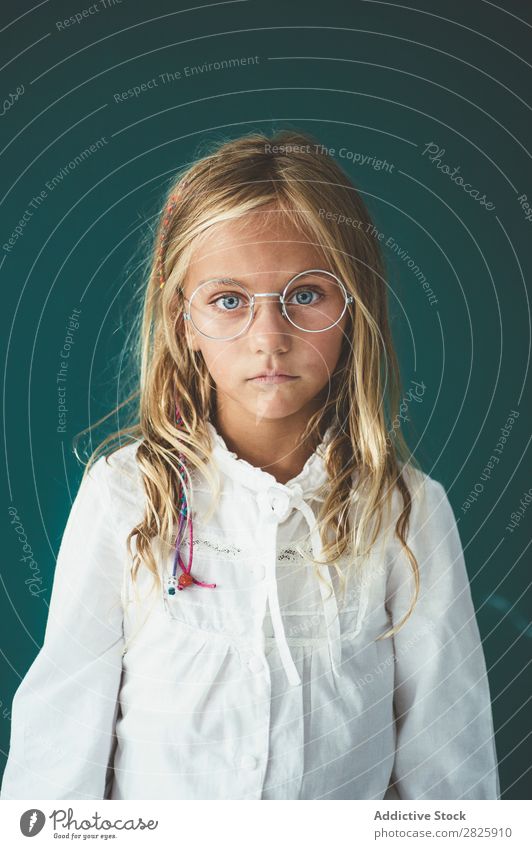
445,746
64,710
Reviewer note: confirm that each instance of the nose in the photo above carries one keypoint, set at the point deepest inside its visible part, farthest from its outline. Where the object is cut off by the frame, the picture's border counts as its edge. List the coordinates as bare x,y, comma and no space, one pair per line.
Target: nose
269,331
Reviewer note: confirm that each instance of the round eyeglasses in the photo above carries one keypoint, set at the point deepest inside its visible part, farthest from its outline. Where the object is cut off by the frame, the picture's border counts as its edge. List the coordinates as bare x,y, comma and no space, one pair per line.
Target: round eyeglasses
313,301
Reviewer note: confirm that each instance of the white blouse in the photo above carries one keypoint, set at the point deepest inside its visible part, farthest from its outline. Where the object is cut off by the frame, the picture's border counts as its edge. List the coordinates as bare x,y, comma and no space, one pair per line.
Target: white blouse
267,686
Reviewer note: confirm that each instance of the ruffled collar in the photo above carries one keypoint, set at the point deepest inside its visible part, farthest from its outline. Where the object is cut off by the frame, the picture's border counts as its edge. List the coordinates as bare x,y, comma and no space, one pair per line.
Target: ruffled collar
310,478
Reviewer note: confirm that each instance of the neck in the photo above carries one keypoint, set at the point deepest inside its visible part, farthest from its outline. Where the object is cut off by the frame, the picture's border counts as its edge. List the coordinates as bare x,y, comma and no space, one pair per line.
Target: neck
273,445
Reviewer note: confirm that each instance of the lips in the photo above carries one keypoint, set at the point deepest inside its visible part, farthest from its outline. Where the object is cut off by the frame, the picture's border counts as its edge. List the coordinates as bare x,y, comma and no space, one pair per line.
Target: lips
272,374
272,378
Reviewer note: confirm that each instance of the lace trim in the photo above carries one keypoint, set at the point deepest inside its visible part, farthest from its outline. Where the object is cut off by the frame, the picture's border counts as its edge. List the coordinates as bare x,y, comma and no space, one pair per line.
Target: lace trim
288,554
213,545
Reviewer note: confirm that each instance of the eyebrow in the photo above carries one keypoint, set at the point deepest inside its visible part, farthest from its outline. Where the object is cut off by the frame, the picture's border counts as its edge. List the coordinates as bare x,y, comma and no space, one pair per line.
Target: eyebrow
226,279
222,279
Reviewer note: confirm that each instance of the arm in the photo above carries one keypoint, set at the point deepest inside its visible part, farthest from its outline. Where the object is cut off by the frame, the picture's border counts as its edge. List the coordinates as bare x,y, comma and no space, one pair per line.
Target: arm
64,710
445,747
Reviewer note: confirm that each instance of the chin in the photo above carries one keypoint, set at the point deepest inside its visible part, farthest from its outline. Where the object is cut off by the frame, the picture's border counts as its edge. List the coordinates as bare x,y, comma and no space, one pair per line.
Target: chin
272,409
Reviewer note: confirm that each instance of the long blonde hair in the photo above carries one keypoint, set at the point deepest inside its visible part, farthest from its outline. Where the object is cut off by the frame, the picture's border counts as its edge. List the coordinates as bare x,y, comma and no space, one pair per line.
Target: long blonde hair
233,179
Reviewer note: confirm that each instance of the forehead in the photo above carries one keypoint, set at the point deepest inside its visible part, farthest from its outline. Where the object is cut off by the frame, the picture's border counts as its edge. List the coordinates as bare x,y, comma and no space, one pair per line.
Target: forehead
265,245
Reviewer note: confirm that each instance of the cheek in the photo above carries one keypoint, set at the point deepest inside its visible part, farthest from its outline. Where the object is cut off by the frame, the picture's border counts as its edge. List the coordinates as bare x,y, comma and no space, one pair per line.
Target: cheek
324,351
221,361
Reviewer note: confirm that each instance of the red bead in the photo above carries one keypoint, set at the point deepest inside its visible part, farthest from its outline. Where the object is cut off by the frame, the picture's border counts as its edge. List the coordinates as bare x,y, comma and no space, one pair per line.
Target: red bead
185,580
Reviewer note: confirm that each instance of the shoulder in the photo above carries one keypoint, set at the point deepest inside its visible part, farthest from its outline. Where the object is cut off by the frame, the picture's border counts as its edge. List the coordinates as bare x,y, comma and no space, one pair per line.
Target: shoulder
430,503
422,486
118,473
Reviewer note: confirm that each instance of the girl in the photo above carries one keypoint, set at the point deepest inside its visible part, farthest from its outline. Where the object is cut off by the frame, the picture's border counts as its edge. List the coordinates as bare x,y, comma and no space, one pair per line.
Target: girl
260,595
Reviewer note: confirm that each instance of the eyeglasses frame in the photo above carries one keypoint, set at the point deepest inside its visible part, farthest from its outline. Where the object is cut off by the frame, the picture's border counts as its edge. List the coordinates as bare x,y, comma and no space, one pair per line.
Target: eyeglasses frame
280,295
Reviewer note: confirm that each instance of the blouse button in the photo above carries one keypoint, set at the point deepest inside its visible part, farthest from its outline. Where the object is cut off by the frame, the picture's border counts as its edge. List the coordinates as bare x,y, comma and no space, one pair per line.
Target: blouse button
280,504
274,501
248,762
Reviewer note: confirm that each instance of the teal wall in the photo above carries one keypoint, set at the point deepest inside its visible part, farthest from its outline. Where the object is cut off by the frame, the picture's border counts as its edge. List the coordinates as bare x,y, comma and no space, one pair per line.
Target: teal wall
380,80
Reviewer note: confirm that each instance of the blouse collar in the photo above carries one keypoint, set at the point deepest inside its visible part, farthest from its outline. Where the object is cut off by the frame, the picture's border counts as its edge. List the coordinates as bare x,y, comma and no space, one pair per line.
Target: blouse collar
310,478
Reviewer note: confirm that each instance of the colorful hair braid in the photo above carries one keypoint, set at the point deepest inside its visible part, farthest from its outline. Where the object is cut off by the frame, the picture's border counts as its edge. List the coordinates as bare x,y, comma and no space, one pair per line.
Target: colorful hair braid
186,578
164,238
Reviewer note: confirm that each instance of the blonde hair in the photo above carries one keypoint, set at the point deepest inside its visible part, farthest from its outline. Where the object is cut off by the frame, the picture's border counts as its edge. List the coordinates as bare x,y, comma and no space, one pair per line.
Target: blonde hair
235,178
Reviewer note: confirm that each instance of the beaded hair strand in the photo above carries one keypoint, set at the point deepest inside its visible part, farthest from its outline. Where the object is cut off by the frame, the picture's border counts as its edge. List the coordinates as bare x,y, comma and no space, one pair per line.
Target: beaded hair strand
163,241
186,578
164,237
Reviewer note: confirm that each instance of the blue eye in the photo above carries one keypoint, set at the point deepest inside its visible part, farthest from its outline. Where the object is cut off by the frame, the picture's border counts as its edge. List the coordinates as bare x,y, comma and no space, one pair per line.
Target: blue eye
304,293
230,300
